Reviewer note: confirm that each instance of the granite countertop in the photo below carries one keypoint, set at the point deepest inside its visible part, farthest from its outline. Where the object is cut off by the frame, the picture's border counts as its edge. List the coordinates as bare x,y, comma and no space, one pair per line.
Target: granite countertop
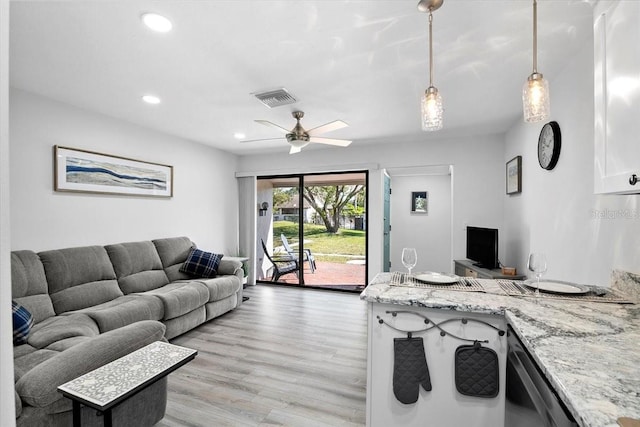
589,351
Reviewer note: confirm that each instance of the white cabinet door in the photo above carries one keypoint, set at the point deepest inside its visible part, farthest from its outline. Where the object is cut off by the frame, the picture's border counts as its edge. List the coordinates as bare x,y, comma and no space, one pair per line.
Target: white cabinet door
617,96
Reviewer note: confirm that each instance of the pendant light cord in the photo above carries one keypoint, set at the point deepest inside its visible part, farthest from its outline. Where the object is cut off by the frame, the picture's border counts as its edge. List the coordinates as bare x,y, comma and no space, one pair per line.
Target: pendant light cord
430,48
535,36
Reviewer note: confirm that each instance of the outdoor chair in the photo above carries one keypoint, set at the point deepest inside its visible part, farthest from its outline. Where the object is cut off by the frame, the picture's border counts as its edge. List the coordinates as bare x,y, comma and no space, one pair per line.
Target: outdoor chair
281,265
306,254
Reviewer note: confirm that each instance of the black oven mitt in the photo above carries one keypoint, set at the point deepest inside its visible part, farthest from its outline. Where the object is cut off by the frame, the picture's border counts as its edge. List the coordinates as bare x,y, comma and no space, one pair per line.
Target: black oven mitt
410,369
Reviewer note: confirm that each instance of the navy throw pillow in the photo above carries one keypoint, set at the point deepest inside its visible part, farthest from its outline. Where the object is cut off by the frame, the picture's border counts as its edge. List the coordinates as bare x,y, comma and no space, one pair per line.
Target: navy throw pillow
22,323
201,264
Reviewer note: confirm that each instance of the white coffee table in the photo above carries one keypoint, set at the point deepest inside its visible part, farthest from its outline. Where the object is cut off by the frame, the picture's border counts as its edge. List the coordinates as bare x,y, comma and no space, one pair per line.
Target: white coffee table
115,382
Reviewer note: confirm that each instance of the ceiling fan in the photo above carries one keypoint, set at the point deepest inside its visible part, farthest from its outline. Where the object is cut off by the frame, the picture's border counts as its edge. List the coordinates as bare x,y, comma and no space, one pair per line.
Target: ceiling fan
298,137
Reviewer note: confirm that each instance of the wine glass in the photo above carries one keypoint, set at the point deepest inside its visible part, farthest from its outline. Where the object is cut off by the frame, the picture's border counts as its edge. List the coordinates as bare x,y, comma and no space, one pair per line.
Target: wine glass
538,265
409,258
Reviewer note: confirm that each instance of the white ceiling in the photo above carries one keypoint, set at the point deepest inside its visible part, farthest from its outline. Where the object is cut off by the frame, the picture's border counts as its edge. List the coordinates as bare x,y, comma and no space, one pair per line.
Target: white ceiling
364,62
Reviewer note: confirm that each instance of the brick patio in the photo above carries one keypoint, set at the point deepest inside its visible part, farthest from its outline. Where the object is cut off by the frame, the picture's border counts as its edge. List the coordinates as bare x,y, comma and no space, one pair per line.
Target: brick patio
329,274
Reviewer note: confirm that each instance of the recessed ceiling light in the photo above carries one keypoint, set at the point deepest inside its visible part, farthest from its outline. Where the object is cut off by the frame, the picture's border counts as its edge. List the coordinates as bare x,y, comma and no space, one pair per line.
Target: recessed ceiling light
157,22
151,99
239,135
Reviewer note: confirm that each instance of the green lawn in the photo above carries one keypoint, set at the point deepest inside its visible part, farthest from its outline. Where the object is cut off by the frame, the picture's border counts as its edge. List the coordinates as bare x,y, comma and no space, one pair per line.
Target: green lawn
345,242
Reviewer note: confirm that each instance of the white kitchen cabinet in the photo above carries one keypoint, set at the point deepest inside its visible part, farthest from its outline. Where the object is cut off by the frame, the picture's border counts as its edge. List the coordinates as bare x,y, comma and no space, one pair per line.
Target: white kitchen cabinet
617,97
443,405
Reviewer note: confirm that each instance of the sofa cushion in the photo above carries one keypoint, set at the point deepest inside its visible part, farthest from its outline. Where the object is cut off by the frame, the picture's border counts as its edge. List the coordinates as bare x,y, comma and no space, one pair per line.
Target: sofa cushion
186,322
125,310
137,266
221,287
22,323
24,363
38,387
67,343
173,253
21,350
29,285
218,308
62,327
180,298
201,264
79,277
86,295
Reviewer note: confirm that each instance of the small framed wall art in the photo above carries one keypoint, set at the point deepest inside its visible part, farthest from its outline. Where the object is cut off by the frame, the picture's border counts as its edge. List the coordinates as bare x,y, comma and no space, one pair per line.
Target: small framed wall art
419,202
90,172
514,175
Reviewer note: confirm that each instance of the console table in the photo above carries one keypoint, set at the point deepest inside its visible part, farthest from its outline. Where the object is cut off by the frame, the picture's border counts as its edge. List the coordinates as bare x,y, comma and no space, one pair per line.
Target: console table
111,384
464,267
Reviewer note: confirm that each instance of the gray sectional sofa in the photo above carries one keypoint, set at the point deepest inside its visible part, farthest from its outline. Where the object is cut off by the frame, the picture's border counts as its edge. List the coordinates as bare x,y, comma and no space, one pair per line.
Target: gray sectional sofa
92,305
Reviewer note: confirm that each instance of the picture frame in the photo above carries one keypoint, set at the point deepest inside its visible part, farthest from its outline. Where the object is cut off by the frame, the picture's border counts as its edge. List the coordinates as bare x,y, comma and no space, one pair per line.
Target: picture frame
420,202
84,171
514,175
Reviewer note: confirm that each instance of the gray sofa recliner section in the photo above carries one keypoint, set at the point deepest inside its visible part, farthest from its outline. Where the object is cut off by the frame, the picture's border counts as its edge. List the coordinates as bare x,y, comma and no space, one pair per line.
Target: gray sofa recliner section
92,305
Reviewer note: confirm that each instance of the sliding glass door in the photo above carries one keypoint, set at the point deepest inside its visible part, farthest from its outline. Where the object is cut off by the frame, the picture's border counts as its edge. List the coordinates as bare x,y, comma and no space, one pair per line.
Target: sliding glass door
315,233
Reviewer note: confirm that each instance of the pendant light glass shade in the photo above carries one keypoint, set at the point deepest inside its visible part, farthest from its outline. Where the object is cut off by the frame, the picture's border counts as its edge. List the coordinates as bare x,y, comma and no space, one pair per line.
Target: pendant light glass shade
535,99
432,110
536,105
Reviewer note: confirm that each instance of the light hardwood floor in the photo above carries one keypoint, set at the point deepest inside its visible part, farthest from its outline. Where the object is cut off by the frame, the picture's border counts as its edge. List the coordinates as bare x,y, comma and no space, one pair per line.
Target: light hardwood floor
288,356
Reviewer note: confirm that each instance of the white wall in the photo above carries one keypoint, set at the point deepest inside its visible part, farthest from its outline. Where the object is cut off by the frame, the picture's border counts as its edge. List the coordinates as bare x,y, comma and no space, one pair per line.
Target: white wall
478,181
7,405
557,212
204,206
430,234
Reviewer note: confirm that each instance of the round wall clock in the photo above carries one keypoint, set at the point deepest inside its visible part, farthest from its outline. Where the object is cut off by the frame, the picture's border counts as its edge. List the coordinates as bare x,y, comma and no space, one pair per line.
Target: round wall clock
549,145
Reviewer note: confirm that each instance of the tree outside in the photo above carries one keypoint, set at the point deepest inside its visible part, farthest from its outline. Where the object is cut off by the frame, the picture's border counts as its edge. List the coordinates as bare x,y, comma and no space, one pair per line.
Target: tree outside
330,202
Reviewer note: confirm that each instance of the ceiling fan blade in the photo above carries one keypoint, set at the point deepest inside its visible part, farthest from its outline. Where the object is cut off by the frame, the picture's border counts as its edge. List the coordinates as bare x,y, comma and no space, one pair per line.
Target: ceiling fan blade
295,150
330,141
263,139
273,125
328,127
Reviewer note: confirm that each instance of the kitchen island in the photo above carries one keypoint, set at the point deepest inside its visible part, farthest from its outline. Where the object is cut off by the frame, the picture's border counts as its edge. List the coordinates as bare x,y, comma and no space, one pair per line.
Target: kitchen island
588,351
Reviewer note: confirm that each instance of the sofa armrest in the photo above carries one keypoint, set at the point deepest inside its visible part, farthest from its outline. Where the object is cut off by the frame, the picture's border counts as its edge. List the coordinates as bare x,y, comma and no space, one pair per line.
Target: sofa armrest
38,387
231,267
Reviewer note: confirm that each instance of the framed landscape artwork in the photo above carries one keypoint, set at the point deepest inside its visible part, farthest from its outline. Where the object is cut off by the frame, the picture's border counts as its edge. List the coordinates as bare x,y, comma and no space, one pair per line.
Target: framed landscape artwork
514,175
91,172
419,202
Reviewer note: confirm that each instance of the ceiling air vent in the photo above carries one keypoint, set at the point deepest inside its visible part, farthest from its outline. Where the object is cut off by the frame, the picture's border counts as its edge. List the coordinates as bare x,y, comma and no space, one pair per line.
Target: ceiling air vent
275,98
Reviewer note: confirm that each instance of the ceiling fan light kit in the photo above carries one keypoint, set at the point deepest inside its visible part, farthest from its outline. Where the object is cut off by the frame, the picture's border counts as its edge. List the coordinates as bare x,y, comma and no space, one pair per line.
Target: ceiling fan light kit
298,137
535,93
431,105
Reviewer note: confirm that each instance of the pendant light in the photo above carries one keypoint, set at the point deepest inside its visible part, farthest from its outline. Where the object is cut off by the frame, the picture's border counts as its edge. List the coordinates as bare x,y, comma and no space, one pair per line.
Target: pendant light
431,100
535,93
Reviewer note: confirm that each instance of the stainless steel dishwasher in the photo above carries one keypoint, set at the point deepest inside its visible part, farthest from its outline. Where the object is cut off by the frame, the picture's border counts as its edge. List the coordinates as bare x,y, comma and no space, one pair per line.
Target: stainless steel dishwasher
530,400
